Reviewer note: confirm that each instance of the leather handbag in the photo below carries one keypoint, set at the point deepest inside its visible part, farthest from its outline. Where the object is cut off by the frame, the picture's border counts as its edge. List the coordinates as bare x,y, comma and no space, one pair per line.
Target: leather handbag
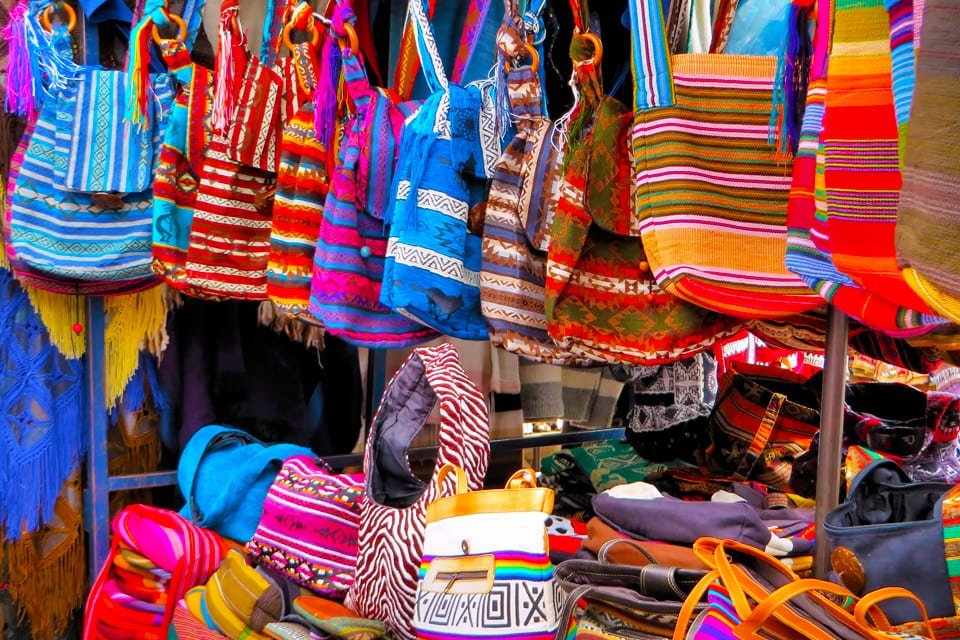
309,528
229,242
602,301
764,418
347,272
225,475
609,601
710,182
891,531
393,521
487,552
752,595
524,191
447,150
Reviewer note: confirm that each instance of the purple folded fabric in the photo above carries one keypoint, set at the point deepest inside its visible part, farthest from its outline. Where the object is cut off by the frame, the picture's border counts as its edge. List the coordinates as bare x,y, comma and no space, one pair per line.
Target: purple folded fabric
668,519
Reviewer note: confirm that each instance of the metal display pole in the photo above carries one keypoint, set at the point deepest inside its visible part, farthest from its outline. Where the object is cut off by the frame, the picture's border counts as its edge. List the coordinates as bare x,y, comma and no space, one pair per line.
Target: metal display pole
830,457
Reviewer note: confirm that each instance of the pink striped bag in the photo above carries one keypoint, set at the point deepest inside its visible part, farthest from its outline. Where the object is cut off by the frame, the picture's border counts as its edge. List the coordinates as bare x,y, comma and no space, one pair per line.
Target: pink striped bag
310,524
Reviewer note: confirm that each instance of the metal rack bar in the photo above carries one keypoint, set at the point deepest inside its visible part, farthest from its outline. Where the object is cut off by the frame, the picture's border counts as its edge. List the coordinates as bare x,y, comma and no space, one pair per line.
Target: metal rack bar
830,457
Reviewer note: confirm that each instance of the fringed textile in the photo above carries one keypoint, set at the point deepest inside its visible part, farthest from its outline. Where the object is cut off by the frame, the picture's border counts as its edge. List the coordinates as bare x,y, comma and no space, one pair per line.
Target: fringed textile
134,322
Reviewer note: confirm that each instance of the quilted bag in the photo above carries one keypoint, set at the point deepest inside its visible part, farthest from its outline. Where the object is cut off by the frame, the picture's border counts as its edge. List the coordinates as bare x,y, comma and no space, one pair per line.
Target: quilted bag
524,191
309,528
710,181
764,418
602,301
432,271
348,263
393,521
180,163
487,552
229,242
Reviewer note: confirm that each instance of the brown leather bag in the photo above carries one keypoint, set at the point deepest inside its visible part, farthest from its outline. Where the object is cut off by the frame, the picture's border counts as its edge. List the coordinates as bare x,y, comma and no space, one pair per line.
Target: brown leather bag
609,545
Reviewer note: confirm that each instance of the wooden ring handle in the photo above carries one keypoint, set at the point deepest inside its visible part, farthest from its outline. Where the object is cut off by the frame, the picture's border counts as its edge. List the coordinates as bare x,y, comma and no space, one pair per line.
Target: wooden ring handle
597,48
176,21
311,29
353,41
67,9
534,58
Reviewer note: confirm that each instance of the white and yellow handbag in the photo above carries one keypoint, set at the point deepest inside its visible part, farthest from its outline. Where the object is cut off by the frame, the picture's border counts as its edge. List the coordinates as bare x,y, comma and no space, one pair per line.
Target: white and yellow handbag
486,570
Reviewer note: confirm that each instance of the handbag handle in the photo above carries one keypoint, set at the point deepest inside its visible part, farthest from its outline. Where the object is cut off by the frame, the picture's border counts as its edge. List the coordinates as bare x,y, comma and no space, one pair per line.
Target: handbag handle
874,598
755,621
761,438
459,478
609,544
430,59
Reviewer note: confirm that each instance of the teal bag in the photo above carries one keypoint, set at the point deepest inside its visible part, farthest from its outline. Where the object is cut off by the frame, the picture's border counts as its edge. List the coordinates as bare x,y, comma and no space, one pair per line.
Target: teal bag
224,474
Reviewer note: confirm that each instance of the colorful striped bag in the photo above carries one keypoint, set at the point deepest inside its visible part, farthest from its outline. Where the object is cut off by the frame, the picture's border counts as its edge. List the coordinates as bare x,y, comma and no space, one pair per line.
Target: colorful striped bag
807,234
229,240
487,552
927,223
302,186
308,531
348,264
710,179
869,89
520,205
73,235
180,164
447,150
602,301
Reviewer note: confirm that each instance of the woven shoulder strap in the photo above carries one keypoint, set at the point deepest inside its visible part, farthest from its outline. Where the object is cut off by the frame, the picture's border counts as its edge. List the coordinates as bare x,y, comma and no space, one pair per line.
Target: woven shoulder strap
653,84
430,58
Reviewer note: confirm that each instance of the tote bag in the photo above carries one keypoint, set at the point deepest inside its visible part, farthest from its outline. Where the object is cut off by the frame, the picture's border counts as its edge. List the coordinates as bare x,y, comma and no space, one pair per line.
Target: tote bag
602,301
393,522
474,545
348,263
524,191
432,271
710,186
926,229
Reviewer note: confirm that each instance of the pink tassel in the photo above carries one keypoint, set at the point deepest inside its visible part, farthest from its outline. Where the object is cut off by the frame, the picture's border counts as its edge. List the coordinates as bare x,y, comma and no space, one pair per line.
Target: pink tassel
225,71
20,99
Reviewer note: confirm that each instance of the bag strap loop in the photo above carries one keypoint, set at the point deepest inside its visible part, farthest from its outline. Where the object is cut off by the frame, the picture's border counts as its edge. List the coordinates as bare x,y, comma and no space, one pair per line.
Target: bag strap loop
653,77
762,437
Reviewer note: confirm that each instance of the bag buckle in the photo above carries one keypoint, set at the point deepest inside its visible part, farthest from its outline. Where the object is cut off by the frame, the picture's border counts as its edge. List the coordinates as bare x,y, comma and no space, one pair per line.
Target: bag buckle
108,200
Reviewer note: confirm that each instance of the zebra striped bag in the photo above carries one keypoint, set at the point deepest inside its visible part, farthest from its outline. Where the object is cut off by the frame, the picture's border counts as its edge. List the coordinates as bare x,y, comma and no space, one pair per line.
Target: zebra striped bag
393,521
710,185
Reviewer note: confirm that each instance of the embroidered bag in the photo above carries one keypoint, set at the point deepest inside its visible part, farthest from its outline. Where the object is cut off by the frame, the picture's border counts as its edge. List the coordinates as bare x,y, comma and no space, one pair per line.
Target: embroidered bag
309,528
348,264
74,215
602,301
393,520
523,196
432,271
710,183
807,235
487,552
302,186
230,232
180,164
